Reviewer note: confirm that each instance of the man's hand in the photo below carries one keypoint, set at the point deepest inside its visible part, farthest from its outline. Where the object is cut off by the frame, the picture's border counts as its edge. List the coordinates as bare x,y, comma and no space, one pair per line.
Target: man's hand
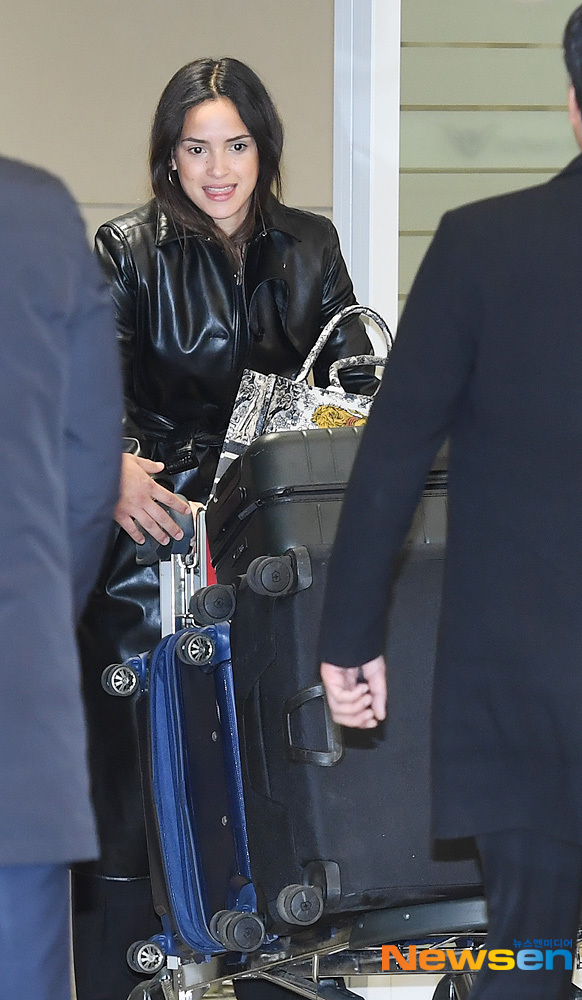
140,499
359,704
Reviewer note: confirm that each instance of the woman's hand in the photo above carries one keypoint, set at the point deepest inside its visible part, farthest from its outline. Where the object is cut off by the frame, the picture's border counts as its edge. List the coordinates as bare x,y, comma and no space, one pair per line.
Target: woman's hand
140,498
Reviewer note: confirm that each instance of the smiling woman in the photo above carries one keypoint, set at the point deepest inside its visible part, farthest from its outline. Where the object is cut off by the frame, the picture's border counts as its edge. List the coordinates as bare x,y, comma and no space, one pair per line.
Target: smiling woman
217,163
213,275
229,119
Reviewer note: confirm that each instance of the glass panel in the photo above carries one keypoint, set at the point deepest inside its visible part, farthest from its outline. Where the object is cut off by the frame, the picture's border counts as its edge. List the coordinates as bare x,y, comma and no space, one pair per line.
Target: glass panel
412,250
425,197
486,140
483,95
492,21
483,76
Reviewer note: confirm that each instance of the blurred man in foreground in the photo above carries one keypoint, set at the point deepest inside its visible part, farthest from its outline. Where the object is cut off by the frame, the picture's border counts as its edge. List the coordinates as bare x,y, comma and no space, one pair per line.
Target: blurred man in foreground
60,427
489,354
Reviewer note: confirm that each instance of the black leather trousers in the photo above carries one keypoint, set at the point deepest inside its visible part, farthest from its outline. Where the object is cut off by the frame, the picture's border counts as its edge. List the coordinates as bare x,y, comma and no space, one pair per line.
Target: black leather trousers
109,915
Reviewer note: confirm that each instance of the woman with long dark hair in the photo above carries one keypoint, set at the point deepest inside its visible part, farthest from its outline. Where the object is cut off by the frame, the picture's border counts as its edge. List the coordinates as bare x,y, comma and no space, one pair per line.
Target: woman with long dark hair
213,275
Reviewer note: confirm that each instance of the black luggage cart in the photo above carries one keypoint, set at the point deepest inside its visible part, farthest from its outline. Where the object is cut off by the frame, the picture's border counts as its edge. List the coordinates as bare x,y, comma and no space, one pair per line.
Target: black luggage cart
312,961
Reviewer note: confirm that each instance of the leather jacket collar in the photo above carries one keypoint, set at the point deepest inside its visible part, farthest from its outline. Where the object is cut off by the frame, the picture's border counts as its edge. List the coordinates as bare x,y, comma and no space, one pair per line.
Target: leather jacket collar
276,217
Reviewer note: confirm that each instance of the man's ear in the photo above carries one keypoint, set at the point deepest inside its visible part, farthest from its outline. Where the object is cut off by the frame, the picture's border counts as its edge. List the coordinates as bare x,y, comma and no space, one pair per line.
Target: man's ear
574,116
573,109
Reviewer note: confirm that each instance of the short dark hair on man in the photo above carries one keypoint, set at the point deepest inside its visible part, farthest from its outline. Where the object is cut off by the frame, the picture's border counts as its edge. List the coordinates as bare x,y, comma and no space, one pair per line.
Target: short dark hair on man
573,51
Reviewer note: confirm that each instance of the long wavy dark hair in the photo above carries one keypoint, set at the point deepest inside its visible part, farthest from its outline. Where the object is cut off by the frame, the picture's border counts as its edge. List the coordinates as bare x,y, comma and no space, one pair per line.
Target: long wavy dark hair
207,80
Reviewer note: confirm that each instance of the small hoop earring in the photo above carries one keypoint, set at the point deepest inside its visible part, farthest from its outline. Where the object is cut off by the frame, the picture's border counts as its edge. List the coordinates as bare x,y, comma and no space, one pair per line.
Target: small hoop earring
170,178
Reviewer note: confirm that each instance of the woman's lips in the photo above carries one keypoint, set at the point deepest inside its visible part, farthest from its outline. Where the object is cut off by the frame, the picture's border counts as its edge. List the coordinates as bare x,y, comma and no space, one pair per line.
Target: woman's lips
220,193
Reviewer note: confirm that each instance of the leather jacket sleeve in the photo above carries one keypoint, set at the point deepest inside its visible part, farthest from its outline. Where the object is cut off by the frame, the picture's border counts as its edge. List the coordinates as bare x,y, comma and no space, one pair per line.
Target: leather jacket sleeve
350,338
117,264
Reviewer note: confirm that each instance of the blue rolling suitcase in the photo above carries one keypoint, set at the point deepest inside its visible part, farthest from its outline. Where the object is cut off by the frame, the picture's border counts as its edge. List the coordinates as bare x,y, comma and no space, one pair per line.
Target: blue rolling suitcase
191,781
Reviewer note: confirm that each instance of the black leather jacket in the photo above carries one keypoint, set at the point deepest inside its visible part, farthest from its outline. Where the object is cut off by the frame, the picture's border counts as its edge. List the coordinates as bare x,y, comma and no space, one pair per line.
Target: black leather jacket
188,324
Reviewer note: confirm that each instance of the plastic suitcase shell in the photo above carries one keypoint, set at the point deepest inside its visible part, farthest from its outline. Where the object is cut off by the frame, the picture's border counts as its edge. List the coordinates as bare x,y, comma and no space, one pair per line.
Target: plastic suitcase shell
190,767
287,490
193,800
347,810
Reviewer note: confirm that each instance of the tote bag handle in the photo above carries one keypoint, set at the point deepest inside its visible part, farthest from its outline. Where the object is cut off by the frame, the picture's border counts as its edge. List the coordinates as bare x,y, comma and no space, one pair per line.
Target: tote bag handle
329,328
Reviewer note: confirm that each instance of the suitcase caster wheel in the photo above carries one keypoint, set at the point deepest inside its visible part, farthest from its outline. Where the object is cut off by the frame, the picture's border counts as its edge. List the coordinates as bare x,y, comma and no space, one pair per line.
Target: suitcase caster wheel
270,575
213,604
120,680
300,904
238,931
195,648
146,957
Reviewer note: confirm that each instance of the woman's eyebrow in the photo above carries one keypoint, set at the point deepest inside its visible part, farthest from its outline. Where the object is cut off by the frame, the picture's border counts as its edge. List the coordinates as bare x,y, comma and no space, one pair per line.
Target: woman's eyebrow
206,142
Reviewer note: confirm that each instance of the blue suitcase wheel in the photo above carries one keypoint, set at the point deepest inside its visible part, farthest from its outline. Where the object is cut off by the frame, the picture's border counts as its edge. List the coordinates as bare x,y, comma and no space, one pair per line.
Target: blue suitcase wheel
145,957
120,680
195,648
300,904
237,931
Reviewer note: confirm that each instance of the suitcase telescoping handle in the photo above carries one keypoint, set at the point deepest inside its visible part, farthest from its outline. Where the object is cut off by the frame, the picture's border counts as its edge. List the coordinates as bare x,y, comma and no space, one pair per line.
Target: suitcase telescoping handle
334,322
322,758
183,574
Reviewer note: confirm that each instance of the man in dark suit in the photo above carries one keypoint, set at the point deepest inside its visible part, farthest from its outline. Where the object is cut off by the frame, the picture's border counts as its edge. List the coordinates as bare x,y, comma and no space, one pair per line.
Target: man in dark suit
60,442
489,354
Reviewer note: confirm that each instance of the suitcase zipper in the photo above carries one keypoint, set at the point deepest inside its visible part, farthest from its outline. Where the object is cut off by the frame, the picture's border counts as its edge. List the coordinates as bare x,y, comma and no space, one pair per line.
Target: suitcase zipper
284,494
436,484
287,493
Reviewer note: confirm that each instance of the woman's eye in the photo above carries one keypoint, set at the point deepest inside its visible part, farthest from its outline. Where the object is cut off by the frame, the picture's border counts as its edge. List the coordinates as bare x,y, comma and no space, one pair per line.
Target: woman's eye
239,146
196,149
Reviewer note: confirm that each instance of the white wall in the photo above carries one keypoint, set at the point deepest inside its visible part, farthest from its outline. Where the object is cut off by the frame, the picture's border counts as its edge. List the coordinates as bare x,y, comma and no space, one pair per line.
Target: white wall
80,80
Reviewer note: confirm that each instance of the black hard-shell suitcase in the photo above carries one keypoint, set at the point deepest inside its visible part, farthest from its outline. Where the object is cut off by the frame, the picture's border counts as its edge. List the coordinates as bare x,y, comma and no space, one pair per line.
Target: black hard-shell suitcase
287,490
344,810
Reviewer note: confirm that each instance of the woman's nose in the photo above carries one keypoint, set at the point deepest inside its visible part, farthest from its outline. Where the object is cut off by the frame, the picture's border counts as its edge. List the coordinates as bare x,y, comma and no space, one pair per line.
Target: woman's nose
217,165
